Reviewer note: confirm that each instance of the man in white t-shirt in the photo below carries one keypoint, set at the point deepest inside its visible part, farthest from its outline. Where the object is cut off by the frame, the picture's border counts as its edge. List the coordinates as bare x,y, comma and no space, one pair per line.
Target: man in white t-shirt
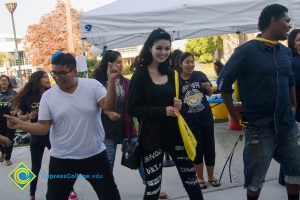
72,110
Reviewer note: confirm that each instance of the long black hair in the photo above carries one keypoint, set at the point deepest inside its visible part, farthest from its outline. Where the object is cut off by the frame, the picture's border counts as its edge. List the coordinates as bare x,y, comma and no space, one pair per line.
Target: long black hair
291,40
32,90
100,73
145,57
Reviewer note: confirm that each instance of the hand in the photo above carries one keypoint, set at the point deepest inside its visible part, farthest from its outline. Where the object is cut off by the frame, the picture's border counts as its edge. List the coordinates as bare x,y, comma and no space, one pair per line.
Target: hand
177,103
170,111
5,141
206,85
13,122
236,117
113,116
112,71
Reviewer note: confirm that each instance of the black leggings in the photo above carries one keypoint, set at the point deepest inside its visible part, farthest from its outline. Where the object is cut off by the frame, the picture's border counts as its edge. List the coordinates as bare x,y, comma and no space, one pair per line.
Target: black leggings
205,144
152,163
37,151
96,167
8,150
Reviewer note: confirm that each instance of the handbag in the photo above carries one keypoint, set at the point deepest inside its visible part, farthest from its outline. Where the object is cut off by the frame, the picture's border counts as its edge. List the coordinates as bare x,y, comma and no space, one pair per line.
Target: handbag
131,152
188,138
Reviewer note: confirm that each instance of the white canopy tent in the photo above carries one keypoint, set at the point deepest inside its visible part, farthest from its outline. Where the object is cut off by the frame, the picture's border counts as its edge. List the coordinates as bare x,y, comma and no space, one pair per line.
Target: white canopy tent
126,23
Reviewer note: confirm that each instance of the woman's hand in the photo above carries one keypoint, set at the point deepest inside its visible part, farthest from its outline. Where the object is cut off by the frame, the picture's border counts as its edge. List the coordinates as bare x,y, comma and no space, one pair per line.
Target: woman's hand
32,115
208,87
13,122
177,103
170,111
112,71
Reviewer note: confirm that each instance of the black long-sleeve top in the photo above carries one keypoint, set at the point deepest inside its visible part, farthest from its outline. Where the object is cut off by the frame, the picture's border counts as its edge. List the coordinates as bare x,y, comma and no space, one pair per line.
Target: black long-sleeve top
148,101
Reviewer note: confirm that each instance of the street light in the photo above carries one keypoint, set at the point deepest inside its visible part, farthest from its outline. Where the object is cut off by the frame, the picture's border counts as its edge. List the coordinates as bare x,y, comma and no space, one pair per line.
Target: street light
11,7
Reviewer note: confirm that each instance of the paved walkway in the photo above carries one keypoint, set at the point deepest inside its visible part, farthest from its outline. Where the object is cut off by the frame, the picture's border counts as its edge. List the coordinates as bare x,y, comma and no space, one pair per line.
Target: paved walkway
130,184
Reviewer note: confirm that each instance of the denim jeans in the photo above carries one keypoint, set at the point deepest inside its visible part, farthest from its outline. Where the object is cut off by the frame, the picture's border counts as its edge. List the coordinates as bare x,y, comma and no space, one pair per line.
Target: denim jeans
263,144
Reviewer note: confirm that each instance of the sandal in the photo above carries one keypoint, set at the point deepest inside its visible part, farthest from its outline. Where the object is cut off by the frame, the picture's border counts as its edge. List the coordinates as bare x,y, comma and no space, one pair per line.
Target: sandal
8,163
202,184
163,195
214,183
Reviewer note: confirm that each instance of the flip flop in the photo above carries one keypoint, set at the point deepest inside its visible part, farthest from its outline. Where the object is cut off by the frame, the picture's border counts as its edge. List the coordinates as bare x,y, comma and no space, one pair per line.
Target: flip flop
8,163
202,184
214,183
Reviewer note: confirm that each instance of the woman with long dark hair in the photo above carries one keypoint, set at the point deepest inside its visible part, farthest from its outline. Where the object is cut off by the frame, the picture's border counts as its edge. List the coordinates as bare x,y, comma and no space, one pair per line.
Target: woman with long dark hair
152,100
198,115
6,94
28,100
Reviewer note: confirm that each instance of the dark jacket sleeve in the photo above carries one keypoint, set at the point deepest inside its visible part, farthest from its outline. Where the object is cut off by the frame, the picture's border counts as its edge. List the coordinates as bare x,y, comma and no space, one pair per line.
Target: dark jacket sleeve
232,70
139,99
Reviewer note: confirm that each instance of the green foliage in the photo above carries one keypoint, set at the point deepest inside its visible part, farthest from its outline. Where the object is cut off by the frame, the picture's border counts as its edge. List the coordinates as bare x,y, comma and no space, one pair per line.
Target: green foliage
204,48
126,70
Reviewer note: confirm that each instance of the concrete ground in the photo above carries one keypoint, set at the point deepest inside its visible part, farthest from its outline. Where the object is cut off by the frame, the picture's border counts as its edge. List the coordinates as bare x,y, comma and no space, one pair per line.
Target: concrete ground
130,184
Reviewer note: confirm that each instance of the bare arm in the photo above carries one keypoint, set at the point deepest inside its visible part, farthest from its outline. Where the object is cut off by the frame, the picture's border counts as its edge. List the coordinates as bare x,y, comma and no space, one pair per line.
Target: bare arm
39,128
227,97
293,99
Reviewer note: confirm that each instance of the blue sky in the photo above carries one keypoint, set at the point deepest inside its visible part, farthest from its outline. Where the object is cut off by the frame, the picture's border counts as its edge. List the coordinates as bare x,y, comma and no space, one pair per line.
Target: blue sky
29,12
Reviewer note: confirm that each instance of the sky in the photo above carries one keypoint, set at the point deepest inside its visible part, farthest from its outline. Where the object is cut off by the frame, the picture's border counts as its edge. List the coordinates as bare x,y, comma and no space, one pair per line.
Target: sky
28,12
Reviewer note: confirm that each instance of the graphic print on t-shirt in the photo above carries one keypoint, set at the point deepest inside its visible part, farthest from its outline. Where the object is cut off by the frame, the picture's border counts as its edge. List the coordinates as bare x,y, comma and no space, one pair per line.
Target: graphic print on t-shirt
193,97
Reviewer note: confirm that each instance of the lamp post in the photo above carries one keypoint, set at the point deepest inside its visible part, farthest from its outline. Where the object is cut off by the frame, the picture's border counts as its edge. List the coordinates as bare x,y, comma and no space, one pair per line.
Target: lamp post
11,7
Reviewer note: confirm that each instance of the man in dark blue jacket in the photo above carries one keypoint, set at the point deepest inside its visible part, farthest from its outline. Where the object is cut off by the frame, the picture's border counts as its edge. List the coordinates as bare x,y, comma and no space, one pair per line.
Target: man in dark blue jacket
263,70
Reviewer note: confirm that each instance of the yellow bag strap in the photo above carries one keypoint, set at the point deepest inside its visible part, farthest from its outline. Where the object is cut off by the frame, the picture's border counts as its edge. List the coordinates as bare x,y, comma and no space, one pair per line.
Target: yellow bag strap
176,78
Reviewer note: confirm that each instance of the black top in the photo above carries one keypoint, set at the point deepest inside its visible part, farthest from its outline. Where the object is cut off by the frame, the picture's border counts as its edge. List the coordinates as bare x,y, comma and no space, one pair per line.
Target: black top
5,107
195,107
296,71
148,101
27,106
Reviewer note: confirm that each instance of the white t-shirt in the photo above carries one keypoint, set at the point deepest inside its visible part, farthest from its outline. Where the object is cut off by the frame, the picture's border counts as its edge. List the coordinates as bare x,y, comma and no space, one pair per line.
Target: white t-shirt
77,131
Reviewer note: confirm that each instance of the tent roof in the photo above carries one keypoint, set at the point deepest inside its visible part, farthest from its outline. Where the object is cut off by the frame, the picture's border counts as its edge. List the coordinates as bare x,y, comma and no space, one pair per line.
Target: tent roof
126,23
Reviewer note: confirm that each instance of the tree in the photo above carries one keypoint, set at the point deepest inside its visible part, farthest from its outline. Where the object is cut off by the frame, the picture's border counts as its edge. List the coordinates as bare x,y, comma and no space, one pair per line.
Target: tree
4,57
204,48
50,35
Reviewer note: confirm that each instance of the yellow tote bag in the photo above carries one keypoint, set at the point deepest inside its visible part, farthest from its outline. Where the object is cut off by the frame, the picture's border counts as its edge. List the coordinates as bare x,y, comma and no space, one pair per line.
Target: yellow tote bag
188,137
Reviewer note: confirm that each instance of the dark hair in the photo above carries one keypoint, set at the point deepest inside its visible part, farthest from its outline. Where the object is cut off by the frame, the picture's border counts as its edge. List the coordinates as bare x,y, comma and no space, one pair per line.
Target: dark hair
219,66
100,73
291,41
64,59
32,89
175,60
184,56
145,57
273,10
8,79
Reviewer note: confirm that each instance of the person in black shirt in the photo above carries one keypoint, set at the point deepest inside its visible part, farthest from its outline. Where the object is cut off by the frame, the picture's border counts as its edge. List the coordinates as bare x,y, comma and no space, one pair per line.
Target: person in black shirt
6,93
197,113
152,100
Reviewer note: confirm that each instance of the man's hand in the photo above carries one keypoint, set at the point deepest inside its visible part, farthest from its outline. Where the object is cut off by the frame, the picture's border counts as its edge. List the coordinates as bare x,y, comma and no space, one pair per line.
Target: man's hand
236,117
113,115
13,122
5,141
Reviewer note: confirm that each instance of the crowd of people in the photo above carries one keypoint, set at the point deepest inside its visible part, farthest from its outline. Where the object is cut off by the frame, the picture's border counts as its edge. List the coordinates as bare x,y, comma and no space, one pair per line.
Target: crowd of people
81,121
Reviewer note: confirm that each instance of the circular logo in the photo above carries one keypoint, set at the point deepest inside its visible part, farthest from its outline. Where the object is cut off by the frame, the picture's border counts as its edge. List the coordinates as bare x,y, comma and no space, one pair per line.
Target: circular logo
21,176
88,27
193,98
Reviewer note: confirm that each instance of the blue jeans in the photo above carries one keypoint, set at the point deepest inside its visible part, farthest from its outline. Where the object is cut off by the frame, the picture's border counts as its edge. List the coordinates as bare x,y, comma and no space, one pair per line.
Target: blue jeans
261,145
111,149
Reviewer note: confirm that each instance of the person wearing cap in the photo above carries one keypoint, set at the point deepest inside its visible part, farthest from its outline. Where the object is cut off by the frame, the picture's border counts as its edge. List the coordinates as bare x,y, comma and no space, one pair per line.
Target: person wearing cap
72,110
